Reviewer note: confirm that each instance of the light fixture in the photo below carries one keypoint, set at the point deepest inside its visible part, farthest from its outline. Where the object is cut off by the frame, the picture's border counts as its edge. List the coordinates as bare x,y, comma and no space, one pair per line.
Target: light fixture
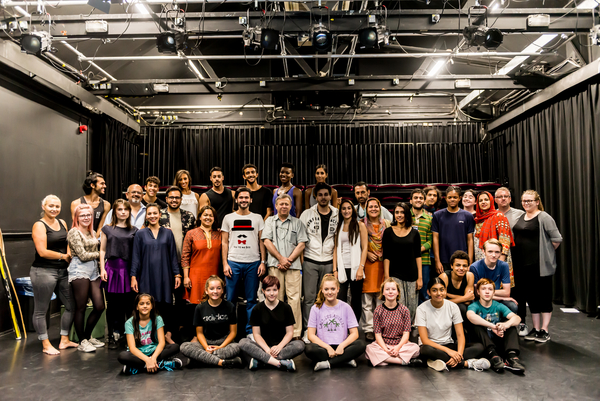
367,37
481,35
35,43
321,38
269,39
376,33
170,42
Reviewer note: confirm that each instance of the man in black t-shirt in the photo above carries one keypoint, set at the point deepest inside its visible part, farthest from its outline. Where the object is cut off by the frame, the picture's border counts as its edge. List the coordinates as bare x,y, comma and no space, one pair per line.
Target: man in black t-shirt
261,196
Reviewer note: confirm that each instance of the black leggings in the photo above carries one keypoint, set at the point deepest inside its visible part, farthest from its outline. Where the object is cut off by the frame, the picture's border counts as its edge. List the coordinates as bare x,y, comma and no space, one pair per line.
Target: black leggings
472,350
119,309
131,361
355,293
316,353
82,290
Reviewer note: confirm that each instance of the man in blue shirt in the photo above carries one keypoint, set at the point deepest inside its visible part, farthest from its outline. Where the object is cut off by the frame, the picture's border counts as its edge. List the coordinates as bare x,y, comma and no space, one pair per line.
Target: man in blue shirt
452,231
497,271
495,327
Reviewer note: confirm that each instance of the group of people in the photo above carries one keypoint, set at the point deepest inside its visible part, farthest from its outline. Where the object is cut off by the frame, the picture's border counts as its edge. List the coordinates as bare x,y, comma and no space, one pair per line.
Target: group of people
324,266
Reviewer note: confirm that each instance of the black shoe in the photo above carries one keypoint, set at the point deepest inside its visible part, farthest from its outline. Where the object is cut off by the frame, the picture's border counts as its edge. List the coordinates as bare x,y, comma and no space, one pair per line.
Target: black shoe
542,336
233,363
497,362
180,360
531,336
112,344
416,363
514,364
370,336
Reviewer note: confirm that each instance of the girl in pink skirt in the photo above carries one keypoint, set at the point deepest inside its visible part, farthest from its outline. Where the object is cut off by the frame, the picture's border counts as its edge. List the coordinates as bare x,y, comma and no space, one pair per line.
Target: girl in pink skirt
391,324
116,245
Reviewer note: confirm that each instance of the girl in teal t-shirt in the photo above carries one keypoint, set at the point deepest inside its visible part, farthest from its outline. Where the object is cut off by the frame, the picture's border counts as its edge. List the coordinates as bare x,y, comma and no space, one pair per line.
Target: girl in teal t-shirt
146,340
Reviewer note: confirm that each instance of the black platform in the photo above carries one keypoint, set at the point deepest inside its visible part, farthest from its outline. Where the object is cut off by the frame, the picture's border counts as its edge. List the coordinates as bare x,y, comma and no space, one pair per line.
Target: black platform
566,368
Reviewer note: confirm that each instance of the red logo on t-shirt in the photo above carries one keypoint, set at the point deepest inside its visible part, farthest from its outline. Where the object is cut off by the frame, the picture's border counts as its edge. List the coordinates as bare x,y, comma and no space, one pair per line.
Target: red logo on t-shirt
242,241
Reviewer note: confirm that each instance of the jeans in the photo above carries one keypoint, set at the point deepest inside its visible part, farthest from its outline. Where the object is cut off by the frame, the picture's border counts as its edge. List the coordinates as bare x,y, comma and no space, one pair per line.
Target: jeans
316,353
44,281
249,273
423,291
510,305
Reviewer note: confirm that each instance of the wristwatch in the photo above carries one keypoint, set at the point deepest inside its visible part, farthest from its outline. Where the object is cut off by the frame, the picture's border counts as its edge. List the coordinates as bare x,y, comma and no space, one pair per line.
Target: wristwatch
263,262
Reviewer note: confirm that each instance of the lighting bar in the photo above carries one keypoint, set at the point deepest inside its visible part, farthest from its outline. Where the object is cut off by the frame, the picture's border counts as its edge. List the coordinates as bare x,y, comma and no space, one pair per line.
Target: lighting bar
439,64
22,11
80,54
209,107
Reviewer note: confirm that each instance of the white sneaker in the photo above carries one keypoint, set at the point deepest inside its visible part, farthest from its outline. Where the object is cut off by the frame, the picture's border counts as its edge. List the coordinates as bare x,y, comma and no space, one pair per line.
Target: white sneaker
116,336
250,336
322,365
523,330
353,363
438,365
85,346
479,364
96,343
305,338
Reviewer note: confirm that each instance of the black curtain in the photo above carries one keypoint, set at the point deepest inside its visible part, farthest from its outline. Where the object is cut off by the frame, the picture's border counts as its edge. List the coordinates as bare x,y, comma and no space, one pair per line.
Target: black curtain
556,152
114,153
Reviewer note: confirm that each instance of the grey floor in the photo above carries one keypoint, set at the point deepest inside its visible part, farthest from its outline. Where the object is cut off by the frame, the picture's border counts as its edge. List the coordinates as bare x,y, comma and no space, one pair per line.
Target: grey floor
566,368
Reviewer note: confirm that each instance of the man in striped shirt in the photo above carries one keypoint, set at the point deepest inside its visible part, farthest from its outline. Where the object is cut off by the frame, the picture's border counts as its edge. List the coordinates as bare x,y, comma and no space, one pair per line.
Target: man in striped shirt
422,222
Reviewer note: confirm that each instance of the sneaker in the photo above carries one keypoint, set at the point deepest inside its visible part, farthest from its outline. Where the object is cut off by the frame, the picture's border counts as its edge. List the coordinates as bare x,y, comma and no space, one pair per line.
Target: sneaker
117,336
523,329
250,336
479,365
288,365
305,338
322,365
96,343
129,371
542,336
233,363
514,364
85,346
353,363
496,362
531,335
370,336
416,362
253,364
438,365
112,344
169,366
181,361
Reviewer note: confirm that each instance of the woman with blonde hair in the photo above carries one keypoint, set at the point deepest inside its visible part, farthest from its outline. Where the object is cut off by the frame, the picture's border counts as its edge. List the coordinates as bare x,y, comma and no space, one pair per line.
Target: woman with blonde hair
332,329
534,256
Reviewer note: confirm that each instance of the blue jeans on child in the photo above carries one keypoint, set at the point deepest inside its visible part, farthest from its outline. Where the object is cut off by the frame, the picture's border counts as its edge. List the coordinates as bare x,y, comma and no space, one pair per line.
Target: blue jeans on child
249,273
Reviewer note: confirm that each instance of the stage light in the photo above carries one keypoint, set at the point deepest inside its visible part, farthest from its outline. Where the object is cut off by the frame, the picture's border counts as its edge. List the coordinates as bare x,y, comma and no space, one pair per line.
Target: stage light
35,43
170,42
321,38
367,37
269,39
490,38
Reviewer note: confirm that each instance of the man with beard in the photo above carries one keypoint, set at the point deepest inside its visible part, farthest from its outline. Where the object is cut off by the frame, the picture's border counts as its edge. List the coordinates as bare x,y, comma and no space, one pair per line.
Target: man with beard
218,196
321,222
244,255
178,220
138,210
152,186
94,186
261,196
362,194
422,222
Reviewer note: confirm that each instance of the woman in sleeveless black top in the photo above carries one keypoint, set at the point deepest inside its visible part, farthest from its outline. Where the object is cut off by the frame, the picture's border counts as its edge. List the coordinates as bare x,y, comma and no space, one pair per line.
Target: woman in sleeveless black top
49,273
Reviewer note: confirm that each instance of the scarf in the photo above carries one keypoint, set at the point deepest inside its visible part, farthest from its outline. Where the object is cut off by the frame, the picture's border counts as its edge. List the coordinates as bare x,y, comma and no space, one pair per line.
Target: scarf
375,236
495,224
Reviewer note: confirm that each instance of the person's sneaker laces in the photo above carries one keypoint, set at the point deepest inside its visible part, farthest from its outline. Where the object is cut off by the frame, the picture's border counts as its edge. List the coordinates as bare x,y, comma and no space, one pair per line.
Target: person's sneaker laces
542,336
531,335
167,365
514,364
288,364
85,346
96,343
232,363
253,364
438,365
478,365
523,329
352,363
322,365
129,371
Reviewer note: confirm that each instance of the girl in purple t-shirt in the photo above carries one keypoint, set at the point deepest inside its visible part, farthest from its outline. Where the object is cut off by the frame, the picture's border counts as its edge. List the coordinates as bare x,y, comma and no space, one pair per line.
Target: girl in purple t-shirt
332,329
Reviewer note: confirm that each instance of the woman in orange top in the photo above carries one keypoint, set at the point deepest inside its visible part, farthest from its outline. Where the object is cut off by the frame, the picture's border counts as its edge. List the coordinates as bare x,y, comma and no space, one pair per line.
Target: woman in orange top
374,272
201,255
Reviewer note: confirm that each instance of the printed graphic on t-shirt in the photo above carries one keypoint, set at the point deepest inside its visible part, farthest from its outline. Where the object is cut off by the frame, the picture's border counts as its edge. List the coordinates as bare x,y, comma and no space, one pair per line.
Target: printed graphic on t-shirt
332,323
146,335
242,225
216,318
492,317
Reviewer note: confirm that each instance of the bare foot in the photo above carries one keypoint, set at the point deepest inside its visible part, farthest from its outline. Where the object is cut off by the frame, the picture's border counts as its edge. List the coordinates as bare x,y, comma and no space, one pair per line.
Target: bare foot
194,340
168,338
67,344
50,350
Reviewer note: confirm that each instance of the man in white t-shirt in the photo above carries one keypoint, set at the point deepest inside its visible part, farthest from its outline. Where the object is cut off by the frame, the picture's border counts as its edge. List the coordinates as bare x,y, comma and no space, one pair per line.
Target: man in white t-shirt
243,252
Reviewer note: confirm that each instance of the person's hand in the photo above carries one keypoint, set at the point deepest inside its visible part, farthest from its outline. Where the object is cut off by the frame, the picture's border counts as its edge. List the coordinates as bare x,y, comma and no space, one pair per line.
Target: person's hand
104,275
371,256
392,351
470,295
187,283
455,358
177,282
331,351
497,331
284,262
439,267
151,365
360,274
261,269
419,283
281,268
134,284
211,348
227,270
339,350
512,299
275,350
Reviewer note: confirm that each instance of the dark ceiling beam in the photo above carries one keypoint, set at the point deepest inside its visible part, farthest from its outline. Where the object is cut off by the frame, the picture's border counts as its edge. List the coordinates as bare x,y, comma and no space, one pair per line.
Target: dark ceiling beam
410,21
301,62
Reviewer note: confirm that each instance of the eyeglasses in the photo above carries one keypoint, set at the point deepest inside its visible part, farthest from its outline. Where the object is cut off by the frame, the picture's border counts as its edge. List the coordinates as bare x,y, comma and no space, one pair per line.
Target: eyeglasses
173,197
527,201
85,216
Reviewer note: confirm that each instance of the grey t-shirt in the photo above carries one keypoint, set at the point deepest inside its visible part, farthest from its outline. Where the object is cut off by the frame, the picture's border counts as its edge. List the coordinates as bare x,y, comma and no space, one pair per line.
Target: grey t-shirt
512,215
439,322
244,236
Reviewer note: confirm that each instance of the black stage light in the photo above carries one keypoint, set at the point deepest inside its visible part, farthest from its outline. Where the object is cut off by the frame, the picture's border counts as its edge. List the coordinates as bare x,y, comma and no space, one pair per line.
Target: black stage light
170,42
493,38
321,39
269,39
31,44
490,38
368,37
